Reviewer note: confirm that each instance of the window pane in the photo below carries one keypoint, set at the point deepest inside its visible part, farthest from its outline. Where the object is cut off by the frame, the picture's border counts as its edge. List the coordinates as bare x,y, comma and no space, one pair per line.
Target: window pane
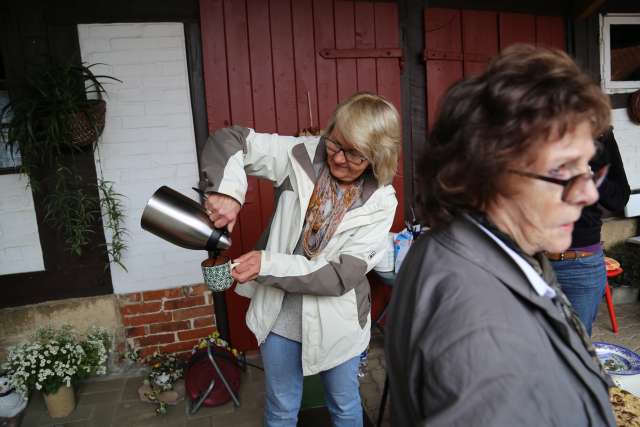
625,52
8,159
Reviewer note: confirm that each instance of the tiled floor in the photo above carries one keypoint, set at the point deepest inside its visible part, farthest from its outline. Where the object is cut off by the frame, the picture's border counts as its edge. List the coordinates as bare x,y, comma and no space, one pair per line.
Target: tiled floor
114,401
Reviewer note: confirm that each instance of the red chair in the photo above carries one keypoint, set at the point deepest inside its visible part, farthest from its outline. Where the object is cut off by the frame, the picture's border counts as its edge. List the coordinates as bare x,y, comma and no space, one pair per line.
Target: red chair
613,270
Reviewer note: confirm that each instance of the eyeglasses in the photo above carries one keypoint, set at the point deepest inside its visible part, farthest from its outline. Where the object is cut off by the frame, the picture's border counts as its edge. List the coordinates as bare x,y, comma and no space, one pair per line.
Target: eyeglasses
352,156
572,184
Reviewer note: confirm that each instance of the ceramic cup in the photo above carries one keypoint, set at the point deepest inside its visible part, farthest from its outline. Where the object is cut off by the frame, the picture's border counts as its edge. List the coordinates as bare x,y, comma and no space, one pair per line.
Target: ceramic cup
217,273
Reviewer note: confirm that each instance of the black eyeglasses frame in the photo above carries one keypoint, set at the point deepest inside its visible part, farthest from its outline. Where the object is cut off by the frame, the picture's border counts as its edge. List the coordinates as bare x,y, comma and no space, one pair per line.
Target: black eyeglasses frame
351,156
597,178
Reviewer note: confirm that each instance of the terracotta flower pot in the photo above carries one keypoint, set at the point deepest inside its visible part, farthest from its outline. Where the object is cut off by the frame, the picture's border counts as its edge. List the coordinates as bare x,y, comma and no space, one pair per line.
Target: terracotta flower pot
61,403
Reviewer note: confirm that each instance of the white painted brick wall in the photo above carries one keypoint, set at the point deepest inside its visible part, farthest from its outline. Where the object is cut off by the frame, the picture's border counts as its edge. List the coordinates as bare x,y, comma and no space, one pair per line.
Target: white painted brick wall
628,138
20,250
148,140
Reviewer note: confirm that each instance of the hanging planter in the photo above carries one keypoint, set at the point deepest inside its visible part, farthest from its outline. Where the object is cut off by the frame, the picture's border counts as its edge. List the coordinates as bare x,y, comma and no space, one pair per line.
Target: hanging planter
59,113
87,126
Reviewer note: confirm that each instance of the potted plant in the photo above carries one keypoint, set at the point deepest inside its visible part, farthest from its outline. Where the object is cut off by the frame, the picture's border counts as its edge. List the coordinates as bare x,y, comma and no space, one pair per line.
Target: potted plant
59,114
163,385
53,361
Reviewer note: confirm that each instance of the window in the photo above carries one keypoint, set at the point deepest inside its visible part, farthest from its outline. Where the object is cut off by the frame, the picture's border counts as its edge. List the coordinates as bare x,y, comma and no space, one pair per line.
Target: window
620,52
9,161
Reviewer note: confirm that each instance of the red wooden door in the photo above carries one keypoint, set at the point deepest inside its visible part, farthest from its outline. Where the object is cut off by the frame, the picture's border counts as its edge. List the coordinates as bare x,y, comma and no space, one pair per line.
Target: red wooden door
263,69
460,43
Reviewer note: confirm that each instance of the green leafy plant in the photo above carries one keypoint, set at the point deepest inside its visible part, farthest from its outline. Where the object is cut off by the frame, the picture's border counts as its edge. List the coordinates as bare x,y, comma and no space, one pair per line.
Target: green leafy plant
57,357
166,369
112,207
57,117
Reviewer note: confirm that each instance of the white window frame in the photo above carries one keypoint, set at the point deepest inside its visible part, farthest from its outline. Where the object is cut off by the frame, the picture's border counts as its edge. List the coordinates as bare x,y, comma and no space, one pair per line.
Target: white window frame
605,52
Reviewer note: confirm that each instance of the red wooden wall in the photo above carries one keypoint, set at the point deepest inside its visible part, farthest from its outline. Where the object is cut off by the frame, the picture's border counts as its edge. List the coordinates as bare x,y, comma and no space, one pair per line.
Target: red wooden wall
459,43
262,69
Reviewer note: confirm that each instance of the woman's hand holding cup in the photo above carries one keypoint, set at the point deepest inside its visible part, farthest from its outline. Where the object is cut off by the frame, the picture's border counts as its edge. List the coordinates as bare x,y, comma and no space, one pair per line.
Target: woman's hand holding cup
247,266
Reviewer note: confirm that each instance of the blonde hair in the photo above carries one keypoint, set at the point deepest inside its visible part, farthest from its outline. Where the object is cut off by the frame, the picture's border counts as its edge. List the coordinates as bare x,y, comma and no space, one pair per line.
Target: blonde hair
372,125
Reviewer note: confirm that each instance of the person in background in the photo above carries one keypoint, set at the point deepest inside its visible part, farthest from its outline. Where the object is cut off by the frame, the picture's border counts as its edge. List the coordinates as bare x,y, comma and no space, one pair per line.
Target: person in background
581,269
479,332
310,303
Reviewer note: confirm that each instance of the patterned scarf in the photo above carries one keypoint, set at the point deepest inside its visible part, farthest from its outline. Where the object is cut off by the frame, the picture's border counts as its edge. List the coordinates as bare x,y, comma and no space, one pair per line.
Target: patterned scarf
329,203
545,270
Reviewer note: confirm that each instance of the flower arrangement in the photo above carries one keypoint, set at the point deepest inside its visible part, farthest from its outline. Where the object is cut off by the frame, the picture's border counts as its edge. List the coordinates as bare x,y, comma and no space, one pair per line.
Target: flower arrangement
56,358
158,387
214,338
166,370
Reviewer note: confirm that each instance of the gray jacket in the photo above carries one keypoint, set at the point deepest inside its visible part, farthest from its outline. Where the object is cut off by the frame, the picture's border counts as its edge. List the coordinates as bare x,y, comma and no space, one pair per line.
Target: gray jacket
470,343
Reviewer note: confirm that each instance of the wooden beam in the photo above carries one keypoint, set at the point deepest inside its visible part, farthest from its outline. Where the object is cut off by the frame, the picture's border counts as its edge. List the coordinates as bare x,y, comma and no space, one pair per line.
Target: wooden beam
586,8
414,95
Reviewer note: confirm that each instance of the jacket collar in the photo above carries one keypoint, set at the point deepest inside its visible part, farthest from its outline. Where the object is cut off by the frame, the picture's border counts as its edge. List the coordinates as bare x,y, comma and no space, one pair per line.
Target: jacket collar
312,168
470,242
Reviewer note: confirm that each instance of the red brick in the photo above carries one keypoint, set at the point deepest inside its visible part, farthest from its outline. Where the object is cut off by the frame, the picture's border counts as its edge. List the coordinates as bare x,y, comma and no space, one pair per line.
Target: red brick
162,293
151,307
147,351
202,321
178,346
199,290
136,331
169,327
195,333
175,304
146,319
191,313
133,297
155,339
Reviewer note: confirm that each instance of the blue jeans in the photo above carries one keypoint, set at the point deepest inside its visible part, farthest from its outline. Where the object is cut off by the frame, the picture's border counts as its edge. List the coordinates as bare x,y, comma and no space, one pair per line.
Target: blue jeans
282,359
583,281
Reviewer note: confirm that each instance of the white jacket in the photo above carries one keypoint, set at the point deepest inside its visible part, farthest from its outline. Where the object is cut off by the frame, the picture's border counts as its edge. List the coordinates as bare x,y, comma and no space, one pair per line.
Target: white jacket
336,301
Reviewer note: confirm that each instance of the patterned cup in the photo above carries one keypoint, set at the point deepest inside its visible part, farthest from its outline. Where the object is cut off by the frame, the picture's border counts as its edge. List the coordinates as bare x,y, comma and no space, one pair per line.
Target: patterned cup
217,273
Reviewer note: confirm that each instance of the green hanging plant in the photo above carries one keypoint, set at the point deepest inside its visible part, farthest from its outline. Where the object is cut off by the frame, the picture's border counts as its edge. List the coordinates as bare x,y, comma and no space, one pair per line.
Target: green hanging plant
58,117
112,207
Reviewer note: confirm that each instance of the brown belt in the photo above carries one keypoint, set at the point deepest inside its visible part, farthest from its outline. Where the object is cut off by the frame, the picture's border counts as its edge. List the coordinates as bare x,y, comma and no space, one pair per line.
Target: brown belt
567,255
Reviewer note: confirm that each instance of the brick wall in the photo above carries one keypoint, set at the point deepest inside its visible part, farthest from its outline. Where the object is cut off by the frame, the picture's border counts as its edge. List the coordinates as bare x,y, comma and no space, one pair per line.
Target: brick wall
20,249
170,320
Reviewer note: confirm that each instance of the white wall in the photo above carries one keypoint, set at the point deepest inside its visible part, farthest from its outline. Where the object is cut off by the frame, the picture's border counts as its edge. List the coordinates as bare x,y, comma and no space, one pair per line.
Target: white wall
628,138
148,140
20,250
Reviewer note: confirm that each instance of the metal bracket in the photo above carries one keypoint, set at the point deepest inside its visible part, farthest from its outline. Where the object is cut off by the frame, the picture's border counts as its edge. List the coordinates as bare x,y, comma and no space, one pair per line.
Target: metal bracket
443,55
361,53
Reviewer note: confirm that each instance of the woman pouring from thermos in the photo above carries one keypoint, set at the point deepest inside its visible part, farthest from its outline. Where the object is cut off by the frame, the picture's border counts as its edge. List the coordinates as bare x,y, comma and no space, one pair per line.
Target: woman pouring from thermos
310,304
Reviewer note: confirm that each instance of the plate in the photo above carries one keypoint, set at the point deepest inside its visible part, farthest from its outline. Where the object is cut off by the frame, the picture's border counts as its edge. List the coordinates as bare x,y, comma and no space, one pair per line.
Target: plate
611,264
616,359
631,383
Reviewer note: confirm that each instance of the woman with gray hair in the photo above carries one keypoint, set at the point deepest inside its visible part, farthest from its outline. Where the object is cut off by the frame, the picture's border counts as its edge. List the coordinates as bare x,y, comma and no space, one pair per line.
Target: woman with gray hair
310,304
479,332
